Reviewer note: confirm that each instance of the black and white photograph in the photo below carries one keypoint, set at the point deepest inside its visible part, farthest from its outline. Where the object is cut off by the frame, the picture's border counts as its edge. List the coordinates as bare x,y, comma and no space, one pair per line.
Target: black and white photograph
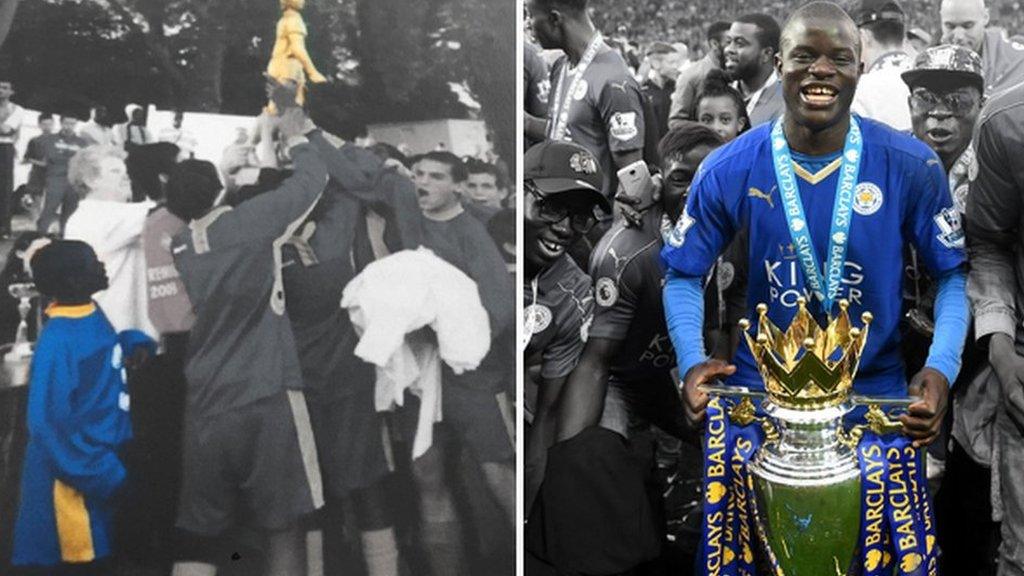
771,287
257,290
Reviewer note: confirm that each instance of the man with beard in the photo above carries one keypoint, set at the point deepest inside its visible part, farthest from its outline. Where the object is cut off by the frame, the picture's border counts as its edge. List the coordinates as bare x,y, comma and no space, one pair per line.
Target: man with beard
688,83
945,101
964,23
562,183
995,243
749,59
881,93
902,196
595,101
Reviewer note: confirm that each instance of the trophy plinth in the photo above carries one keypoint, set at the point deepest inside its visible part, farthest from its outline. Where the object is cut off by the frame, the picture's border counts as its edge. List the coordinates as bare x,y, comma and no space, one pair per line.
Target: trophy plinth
17,356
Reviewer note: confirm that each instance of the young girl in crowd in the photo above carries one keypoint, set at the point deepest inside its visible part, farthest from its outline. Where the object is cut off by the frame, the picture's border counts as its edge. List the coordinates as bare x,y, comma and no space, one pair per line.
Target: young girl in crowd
720,107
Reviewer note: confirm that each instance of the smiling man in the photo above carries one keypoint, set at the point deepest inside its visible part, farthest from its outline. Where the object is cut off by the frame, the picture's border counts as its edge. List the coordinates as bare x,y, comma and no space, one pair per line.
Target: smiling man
879,188
749,58
563,187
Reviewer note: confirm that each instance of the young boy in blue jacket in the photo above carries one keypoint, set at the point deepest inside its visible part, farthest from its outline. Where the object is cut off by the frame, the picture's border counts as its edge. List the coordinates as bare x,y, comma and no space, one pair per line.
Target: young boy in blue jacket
77,420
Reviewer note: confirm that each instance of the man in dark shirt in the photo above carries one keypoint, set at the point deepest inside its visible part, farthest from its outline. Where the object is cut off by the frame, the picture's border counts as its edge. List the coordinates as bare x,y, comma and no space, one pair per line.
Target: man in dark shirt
658,88
248,452
995,243
475,404
595,101
34,156
537,80
562,181
56,154
629,350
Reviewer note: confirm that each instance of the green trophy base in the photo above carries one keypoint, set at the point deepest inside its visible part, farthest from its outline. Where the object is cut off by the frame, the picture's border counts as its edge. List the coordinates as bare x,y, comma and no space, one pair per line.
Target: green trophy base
813,530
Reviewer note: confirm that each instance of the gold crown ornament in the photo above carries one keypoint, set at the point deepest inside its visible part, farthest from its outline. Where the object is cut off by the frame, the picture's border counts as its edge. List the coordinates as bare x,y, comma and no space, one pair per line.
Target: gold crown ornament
807,367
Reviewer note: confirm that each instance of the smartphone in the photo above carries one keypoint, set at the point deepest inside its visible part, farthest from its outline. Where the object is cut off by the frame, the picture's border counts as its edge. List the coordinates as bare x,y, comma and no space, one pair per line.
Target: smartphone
636,182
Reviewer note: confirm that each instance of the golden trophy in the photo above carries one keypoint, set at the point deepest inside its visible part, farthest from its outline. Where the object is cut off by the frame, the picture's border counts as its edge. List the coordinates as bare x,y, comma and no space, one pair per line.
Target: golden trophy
289,59
805,479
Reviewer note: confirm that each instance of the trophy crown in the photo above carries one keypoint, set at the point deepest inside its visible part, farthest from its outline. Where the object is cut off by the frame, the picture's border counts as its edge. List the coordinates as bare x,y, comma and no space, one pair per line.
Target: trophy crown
807,367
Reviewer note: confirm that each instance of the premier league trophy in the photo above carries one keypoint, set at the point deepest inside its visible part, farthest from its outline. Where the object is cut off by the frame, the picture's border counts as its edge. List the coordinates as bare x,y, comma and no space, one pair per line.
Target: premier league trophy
804,481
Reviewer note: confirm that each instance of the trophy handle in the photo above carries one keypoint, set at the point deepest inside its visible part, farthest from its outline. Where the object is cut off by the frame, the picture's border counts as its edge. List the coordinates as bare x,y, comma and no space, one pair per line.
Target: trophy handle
744,413
877,421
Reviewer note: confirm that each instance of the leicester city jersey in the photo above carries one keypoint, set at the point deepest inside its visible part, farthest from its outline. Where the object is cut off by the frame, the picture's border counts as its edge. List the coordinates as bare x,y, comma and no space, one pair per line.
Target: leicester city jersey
902,196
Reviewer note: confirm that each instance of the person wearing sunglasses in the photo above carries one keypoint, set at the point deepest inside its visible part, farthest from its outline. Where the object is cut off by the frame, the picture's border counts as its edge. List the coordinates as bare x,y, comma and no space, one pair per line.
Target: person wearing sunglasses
946,85
563,183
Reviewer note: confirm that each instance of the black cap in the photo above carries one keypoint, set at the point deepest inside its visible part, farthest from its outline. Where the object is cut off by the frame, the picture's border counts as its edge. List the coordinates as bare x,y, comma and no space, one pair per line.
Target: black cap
559,167
947,62
68,270
871,11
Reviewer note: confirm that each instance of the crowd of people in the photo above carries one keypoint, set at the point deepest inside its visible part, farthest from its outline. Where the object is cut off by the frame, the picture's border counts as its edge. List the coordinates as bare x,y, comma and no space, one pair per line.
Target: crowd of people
298,360
654,221
643,22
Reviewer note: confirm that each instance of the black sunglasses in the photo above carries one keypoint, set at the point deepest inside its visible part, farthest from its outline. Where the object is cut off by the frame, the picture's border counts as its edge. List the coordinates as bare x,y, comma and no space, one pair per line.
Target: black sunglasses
553,212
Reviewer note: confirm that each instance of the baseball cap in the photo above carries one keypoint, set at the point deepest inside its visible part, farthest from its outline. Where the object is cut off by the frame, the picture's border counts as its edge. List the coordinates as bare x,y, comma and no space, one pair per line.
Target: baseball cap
871,11
563,168
945,61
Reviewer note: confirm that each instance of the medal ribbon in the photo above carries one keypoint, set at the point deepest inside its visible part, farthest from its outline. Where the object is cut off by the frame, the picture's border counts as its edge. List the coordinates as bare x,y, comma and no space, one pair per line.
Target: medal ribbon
563,97
824,285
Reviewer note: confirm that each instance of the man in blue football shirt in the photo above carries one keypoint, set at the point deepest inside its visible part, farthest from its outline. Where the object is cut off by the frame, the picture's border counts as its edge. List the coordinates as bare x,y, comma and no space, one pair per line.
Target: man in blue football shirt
829,199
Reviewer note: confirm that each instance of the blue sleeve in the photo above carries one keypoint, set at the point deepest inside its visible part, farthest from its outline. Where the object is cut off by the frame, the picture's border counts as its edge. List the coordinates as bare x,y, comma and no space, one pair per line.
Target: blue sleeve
703,230
80,457
951,322
132,339
684,315
934,223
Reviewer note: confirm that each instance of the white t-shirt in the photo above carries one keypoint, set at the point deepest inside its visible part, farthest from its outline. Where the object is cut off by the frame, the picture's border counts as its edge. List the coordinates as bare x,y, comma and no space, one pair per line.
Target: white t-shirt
114,230
882,94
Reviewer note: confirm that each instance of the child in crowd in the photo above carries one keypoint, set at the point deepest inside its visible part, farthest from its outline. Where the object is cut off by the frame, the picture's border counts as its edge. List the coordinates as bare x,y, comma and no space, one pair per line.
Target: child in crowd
77,420
720,107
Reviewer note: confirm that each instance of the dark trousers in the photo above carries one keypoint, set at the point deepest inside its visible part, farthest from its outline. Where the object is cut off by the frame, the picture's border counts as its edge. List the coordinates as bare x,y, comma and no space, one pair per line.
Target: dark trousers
967,535
6,186
59,194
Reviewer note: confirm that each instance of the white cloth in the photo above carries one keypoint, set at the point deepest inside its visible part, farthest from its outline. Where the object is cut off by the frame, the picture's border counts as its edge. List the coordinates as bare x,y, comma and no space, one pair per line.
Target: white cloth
114,230
400,294
882,94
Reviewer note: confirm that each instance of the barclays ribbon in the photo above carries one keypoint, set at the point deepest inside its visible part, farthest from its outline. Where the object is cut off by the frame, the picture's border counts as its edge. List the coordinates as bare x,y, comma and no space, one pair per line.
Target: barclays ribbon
874,469
824,285
716,488
922,504
727,547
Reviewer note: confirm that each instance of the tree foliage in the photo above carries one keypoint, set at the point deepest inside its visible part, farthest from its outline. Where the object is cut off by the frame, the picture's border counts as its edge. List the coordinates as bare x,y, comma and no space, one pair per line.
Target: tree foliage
395,59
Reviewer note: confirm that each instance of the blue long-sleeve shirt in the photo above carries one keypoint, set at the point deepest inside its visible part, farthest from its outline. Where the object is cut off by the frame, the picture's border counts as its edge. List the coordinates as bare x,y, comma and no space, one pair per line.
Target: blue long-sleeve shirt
77,420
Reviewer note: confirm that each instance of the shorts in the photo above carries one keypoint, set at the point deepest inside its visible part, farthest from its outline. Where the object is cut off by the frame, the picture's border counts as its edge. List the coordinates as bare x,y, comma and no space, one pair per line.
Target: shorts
349,439
481,420
252,467
630,406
